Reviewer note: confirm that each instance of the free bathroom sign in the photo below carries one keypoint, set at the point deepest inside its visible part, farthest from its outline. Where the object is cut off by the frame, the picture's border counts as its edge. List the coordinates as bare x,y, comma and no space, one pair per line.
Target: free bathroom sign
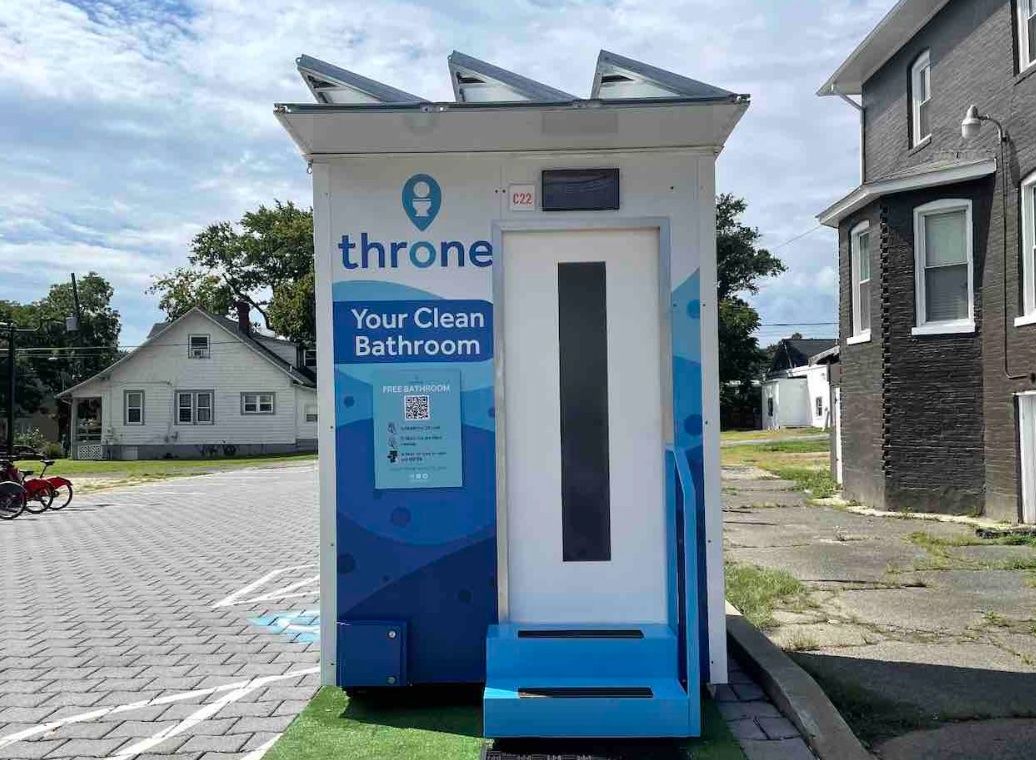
417,429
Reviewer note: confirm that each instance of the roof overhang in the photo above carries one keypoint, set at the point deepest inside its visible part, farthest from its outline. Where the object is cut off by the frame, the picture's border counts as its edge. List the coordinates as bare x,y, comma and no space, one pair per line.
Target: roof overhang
864,194
826,357
329,130
900,24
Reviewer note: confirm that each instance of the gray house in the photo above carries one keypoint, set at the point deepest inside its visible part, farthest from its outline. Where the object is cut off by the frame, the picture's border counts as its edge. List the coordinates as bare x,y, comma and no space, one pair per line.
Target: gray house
937,260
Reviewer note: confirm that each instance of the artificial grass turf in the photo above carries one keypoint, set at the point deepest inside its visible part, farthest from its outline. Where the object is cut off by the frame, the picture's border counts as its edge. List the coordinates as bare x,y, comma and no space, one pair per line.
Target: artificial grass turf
440,724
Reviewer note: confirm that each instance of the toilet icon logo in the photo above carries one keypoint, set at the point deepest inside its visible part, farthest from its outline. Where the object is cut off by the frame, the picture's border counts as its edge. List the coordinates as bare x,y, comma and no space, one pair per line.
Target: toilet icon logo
422,198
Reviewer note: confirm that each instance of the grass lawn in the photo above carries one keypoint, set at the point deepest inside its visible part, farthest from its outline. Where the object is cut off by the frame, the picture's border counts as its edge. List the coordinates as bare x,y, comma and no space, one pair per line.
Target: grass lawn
730,436
111,473
806,463
436,724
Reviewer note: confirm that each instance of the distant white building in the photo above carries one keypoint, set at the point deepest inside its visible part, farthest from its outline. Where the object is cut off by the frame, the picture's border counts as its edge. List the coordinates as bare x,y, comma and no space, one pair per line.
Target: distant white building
201,385
797,389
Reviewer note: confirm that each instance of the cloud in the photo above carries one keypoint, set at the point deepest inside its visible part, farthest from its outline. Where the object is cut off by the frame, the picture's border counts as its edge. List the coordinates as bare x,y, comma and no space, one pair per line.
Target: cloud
130,125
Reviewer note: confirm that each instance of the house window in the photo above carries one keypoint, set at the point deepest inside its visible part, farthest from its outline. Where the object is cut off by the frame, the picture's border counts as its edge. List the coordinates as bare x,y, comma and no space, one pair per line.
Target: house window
194,407
860,250
921,98
133,408
769,407
1026,33
1028,193
820,406
311,412
309,358
257,403
943,267
198,347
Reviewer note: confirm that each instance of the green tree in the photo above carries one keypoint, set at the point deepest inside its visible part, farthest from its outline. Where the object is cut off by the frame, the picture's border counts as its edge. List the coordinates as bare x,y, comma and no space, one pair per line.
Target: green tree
740,263
266,260
52,359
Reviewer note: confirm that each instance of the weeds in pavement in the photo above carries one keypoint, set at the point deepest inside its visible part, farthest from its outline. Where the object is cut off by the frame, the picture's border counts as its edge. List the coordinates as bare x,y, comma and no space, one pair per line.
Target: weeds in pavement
941,558
800,642
758,591
818,483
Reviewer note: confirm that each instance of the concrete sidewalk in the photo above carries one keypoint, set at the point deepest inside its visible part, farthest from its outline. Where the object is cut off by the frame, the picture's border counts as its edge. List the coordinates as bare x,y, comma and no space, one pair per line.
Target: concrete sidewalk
922,634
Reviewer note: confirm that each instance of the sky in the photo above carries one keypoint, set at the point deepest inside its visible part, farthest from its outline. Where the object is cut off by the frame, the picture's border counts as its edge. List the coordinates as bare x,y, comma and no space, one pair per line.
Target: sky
129,126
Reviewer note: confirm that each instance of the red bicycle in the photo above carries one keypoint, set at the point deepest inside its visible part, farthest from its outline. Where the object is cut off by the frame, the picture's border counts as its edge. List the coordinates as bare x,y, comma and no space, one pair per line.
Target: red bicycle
12,500
41,493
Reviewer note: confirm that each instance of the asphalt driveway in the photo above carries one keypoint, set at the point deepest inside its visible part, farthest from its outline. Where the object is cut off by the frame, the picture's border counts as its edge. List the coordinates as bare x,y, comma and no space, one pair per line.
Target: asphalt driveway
177,619
923,634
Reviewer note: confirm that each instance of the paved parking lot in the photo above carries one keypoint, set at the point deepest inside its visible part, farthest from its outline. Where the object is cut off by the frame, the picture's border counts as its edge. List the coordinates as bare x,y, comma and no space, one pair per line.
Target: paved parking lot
174,620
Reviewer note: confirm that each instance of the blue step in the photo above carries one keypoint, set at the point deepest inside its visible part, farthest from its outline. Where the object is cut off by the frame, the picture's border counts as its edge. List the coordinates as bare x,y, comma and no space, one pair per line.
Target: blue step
566,651
577,708
583,681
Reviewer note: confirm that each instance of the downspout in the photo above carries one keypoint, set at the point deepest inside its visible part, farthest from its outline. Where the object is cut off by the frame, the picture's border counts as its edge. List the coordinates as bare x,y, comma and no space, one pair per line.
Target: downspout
863,133
1003,138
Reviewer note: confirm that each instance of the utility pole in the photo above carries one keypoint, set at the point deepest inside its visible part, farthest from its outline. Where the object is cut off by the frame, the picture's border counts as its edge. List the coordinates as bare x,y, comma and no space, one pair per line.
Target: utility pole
71,324
11,375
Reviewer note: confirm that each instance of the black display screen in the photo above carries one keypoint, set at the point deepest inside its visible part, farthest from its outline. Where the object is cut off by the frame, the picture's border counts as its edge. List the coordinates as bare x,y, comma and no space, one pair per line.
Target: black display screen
580,189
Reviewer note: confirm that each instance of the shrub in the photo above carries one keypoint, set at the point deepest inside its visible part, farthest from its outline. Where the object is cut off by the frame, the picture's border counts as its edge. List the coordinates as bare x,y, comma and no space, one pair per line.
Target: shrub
32,439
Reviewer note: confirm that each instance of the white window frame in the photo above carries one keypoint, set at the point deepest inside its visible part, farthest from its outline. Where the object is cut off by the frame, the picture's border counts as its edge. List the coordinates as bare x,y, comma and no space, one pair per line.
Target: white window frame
191,349
194,407
946,326
252,403
858,335
126,407
1026,10
920,69
1027,190
306,354
310,411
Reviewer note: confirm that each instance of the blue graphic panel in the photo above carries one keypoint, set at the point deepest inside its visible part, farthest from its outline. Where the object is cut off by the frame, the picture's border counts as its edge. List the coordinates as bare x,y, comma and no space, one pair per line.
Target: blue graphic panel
688,433
425,557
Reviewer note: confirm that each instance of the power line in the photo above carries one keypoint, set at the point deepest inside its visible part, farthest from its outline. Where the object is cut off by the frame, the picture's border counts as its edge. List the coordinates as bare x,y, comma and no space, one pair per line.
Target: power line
801,235
796,324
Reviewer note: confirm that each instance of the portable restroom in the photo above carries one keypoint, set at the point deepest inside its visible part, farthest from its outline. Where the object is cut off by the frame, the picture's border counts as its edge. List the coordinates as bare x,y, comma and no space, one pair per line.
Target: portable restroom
519,439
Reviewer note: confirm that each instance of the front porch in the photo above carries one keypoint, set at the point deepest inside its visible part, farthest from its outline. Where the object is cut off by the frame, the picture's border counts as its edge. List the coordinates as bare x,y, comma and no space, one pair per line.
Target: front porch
86,425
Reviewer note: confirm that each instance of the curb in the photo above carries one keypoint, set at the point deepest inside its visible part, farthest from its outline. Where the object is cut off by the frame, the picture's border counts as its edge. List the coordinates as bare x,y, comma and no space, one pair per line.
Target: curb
793,691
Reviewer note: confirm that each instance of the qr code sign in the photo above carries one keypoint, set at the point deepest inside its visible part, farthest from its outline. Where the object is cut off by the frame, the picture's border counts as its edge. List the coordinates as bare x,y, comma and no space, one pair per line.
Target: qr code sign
416,408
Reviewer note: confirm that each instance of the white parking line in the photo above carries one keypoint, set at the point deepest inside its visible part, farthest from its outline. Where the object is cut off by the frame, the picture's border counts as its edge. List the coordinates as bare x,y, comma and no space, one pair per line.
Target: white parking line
202,713
259,582
258,752
287,591
238,686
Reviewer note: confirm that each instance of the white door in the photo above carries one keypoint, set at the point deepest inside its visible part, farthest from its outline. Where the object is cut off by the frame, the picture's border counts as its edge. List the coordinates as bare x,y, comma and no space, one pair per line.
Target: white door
1027,454
583,427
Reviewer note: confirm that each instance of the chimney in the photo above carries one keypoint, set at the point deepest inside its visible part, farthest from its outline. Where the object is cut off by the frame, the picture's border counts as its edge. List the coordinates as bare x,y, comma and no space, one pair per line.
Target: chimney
244,324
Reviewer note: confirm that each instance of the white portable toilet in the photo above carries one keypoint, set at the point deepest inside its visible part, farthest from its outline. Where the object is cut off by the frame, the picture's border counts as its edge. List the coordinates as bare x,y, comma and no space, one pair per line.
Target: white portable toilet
519,442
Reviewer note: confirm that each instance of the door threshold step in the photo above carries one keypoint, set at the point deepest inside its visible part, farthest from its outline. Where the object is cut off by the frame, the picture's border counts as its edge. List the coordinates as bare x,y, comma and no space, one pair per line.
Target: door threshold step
588,692
580,633
589,707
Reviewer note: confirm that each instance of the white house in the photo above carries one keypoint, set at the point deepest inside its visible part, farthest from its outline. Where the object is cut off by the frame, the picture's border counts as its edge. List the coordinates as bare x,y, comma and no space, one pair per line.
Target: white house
201,385
797,391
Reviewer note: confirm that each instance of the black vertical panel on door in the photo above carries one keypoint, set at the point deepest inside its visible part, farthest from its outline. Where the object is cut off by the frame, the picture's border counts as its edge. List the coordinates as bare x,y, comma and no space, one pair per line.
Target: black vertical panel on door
583,344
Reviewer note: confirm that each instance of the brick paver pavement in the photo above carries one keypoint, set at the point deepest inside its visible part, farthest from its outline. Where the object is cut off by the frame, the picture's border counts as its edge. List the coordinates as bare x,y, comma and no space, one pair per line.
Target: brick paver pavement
117,637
